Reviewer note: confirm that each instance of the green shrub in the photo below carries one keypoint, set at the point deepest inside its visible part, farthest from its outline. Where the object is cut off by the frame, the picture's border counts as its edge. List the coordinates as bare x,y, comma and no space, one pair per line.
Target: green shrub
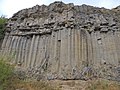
3,20
6,72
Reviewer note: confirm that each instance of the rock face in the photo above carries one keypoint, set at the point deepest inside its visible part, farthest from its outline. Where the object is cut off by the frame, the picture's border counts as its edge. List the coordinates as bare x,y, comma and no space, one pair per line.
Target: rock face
65,41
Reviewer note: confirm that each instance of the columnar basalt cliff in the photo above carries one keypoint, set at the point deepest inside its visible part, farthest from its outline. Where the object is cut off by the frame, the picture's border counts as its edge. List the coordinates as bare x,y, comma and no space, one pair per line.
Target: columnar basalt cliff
65,41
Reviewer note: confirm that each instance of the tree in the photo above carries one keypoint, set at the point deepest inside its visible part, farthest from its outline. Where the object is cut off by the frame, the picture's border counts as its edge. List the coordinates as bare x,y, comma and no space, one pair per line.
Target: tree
3,20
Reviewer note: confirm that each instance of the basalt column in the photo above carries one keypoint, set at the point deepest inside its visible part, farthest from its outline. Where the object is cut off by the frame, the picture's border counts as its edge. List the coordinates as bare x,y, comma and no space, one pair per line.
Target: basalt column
64,41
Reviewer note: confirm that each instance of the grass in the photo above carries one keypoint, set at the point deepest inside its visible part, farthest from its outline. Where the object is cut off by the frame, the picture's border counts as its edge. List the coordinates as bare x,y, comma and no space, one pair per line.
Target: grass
31,85
102,84
6,72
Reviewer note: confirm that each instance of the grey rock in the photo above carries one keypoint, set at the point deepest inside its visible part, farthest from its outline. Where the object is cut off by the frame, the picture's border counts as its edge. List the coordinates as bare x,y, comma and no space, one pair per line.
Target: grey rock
64,41
104,29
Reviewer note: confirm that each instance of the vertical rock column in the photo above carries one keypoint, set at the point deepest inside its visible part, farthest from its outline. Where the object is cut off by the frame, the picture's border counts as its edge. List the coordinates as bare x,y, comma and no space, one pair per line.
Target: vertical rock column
53,61
4,43
63,56
90,49
35,49
110,48
31,52
27,49
23,51
38,57
19,58
13,49
69,52
117,42
17,49
7,46
84,48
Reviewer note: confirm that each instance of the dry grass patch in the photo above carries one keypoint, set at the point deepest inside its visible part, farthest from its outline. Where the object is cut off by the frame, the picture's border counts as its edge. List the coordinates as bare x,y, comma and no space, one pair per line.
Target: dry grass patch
32,85
102,84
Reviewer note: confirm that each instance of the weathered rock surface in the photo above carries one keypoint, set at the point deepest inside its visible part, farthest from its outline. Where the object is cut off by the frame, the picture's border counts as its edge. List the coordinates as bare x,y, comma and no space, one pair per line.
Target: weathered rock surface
65,41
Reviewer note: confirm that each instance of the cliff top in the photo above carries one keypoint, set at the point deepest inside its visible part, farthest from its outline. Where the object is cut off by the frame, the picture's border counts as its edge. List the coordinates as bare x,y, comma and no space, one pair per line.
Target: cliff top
58,15
59,7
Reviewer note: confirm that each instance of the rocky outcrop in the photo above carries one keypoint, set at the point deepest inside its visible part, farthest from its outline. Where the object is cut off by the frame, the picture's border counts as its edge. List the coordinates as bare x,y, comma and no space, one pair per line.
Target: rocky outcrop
65,41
